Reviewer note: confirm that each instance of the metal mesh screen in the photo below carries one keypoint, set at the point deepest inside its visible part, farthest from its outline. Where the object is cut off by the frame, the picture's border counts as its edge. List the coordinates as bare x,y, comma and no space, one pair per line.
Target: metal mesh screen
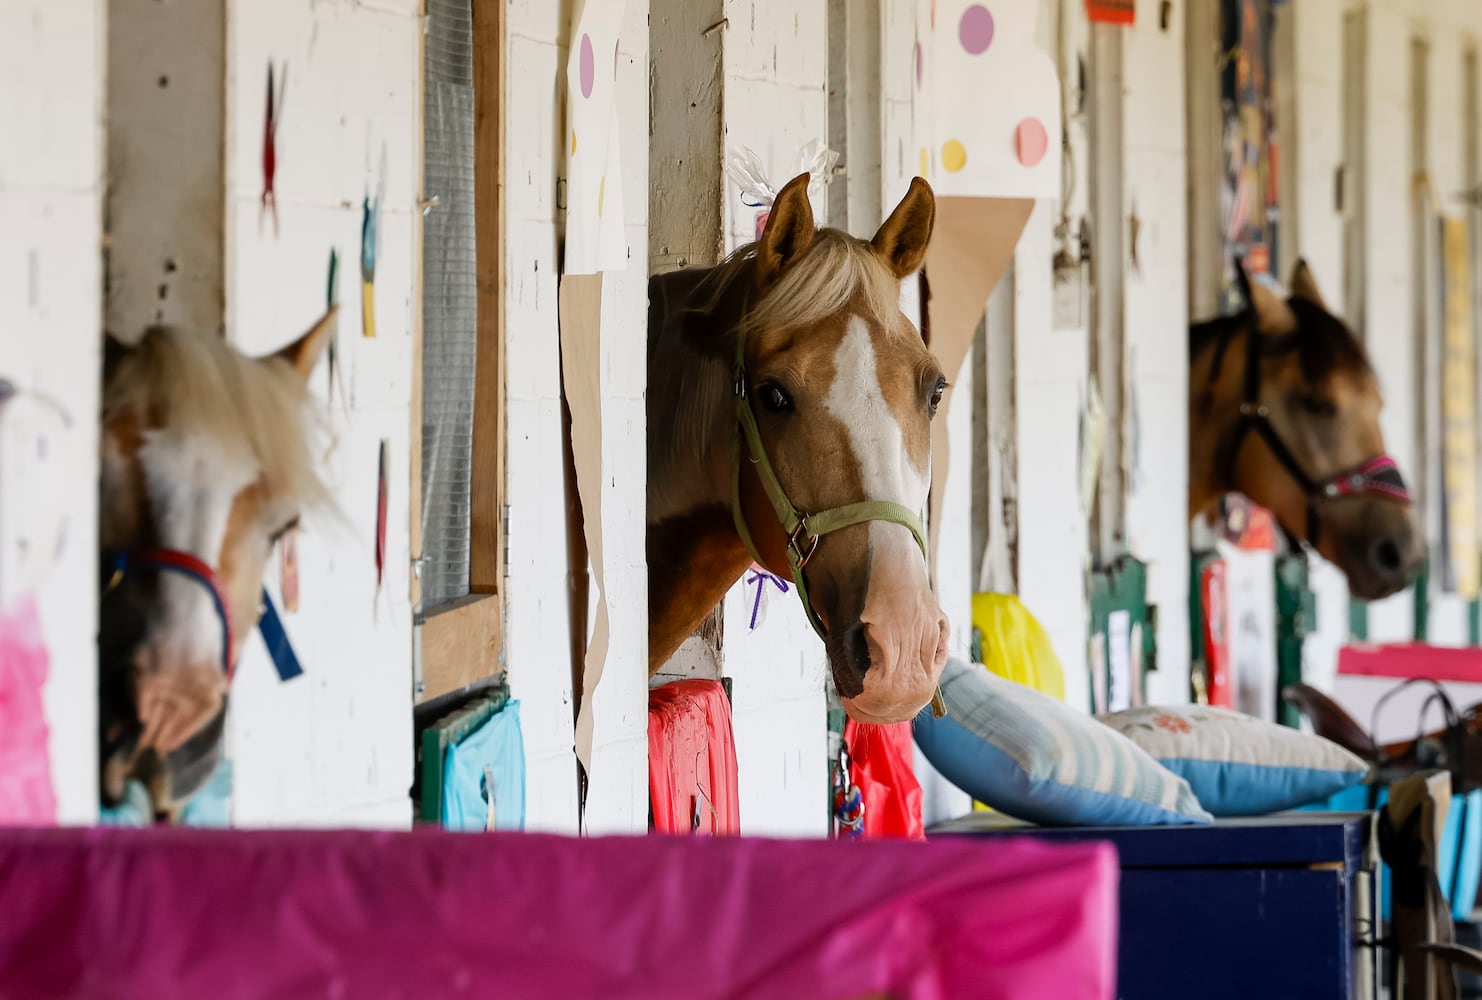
449,301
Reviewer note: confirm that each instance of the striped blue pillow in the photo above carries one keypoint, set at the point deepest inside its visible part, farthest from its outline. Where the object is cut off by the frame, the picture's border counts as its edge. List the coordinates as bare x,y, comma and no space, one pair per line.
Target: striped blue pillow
1026,754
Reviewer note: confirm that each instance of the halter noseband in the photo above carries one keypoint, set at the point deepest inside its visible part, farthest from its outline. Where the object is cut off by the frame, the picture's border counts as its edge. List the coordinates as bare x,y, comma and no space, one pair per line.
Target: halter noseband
275,637
804,531
1379,475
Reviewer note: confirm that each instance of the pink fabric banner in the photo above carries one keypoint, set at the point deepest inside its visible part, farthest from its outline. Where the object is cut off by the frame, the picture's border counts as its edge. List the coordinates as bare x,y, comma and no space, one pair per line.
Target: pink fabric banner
26,795
120,913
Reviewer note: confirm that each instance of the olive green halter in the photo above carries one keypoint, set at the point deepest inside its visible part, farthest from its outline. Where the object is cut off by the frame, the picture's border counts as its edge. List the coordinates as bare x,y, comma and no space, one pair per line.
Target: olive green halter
803,530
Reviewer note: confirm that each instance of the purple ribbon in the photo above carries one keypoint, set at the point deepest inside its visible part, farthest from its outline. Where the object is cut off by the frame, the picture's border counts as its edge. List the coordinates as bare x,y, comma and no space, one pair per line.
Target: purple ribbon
759,577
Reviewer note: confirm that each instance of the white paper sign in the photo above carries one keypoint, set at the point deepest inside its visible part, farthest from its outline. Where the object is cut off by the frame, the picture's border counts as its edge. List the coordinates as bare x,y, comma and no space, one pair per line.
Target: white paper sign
594,179
986,99
1119,658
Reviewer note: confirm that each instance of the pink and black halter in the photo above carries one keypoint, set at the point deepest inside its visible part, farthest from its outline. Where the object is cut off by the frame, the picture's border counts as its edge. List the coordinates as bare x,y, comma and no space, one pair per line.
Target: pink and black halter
1377,476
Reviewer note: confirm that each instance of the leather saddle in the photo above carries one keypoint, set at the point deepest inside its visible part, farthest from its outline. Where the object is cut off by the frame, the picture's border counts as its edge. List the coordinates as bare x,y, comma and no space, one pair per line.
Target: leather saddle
1456,747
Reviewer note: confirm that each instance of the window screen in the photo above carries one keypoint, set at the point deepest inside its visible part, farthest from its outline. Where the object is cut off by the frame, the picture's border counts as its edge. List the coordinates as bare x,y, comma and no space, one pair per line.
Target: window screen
449,301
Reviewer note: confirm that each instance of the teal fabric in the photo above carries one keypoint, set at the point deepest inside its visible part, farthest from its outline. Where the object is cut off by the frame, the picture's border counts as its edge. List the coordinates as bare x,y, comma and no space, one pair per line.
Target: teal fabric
1458,856
210,807
1030,756
493,753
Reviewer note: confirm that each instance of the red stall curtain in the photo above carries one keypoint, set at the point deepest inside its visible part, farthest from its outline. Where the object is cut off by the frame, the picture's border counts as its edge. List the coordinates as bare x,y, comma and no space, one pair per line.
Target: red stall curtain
692,758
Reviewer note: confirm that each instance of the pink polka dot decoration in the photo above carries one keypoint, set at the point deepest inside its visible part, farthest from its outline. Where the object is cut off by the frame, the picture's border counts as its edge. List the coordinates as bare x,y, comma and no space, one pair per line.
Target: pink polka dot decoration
588,66
1032,141
919,66
975,30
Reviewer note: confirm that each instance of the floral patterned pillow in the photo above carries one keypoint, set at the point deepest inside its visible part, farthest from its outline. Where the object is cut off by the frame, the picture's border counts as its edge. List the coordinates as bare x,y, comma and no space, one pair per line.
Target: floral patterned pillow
1236,764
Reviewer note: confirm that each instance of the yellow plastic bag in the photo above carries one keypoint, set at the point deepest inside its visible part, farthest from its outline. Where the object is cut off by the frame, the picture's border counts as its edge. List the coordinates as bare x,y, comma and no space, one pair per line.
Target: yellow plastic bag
1015,646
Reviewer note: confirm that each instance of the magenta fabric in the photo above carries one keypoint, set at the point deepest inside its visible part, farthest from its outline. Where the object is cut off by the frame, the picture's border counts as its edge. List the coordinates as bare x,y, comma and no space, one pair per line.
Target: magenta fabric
26,795
112,913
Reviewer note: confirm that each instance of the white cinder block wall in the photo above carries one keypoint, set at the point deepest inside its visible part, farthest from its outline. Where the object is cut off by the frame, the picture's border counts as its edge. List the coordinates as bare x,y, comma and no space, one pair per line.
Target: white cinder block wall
51,309
335,746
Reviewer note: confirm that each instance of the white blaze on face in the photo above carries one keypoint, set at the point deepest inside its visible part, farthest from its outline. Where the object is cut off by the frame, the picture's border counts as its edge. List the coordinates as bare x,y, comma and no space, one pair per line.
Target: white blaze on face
192,484
885,468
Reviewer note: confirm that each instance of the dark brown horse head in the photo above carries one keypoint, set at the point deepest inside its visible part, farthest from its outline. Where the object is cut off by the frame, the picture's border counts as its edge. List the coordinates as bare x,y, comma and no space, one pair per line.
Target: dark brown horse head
1284,408
844,392
205,463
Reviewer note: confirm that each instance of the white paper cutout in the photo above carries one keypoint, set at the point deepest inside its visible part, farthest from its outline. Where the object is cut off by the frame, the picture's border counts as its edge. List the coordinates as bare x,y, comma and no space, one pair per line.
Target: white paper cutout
987,100
595,240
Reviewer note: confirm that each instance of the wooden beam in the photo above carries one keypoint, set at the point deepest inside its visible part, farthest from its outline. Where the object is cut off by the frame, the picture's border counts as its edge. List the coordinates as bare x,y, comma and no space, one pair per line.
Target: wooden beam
486,541
461,643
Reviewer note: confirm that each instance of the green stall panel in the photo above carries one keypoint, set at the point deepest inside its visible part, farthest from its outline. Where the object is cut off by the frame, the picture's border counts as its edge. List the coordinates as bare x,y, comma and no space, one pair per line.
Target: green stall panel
1296,619
1121,590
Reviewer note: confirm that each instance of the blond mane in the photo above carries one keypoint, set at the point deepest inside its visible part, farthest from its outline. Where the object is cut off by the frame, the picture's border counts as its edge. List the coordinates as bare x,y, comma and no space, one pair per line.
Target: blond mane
834,270
200,383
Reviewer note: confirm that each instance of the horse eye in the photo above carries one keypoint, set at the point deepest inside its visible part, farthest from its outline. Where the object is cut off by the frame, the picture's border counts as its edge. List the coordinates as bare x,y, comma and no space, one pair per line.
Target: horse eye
774,399
1317,406
936,394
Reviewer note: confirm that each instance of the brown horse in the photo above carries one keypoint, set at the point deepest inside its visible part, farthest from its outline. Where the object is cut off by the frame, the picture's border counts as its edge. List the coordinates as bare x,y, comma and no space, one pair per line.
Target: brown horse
205,463
789,412
1284,408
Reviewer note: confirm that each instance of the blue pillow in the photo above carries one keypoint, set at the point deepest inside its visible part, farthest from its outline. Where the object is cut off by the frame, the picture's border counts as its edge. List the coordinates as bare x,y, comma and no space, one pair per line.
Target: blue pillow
1030,756
1237,764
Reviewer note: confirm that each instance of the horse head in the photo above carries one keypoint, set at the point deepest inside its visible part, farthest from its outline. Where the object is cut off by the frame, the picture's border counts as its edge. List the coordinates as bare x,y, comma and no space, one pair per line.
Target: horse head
790,409
205,464
1284,408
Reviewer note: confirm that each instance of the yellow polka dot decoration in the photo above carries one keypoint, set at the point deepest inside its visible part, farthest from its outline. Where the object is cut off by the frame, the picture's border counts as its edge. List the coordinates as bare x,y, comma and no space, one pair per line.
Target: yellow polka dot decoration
954,155
573,142
925,162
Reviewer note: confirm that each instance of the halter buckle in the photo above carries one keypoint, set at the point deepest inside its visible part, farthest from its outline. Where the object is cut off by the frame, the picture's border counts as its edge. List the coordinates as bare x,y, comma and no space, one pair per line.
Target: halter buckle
795,542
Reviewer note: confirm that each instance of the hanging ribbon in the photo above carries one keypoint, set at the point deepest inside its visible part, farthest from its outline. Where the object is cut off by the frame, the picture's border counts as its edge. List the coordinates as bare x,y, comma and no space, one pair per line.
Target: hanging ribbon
381,519
332,298
759,577
273,115
368,268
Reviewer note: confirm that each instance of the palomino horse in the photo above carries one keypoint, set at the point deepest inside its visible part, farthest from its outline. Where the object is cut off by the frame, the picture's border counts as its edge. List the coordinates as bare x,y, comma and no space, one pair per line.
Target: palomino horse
1284,408
794,353
205,464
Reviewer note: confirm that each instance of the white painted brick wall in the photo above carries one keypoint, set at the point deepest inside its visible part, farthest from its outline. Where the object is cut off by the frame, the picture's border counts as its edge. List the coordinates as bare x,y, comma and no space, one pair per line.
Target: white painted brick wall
335,746
538,648
52,77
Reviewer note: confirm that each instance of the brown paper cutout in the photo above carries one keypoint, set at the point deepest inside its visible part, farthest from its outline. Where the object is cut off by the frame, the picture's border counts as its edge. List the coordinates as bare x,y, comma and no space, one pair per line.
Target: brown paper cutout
580,311
970,249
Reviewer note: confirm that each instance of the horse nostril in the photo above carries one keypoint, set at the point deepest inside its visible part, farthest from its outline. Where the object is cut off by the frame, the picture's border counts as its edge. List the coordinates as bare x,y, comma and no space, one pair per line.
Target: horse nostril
859,650
1385,557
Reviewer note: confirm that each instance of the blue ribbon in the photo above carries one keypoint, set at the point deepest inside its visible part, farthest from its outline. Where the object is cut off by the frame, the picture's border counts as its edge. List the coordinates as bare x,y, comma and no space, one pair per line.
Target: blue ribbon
275,637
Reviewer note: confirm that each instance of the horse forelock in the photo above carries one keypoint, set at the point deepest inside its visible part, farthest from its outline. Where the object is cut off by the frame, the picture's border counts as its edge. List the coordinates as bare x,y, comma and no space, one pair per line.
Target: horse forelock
199,386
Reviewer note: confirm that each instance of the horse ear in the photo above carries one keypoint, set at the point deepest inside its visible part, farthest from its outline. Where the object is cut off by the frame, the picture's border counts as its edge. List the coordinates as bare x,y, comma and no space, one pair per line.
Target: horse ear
789,231
303,354
114,351
903,238
1273,315
1304,286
